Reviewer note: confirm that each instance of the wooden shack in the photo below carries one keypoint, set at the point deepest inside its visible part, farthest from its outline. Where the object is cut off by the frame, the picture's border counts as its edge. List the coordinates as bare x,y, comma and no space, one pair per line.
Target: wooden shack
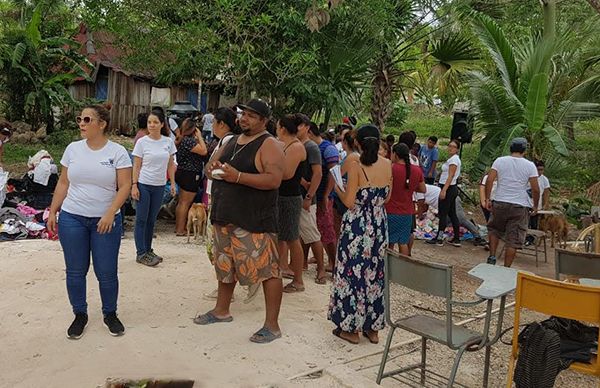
128,92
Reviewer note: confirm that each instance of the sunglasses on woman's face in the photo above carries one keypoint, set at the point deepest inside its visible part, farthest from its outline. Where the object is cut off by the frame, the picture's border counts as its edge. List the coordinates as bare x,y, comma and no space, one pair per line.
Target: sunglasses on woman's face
85,119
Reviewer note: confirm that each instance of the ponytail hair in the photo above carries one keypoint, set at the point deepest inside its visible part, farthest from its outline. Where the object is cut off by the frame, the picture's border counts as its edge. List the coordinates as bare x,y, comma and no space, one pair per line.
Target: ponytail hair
349,139
402,152
368,137
228,117
290,124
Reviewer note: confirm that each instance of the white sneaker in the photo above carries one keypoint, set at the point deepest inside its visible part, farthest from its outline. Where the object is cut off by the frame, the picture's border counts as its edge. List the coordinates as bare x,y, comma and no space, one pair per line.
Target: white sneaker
214,294
252,291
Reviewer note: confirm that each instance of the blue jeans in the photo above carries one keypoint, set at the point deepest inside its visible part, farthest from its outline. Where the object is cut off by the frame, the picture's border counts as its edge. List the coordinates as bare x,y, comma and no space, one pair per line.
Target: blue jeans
78,237
146,212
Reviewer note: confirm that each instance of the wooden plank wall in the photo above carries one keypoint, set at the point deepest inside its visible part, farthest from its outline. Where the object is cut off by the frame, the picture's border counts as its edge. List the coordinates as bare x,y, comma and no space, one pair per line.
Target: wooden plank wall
82,90
178,93
129,97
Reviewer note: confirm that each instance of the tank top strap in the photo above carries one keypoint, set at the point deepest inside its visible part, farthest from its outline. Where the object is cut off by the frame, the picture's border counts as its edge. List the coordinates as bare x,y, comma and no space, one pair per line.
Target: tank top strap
289,145
365,174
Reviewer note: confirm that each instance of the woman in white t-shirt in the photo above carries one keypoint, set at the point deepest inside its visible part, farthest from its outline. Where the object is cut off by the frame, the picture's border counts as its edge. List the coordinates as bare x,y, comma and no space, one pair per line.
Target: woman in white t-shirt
94,183
152,160
447,200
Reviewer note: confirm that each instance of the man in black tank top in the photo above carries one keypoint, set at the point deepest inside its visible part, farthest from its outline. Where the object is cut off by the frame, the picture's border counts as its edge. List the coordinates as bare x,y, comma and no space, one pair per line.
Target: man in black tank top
244,217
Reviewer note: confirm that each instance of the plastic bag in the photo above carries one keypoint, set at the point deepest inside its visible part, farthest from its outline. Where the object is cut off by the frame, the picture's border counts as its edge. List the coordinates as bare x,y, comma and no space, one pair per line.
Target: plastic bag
3,181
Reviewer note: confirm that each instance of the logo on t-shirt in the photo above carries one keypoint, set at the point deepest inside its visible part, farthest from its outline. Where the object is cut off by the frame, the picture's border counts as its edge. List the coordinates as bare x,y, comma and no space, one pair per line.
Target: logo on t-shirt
108,163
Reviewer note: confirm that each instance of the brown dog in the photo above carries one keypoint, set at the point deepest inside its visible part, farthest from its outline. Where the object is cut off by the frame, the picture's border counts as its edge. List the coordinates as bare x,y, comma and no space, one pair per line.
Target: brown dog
557,225
196,221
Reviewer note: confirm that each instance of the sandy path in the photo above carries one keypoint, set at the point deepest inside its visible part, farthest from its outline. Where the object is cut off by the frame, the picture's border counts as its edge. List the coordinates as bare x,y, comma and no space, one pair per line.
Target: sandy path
157,306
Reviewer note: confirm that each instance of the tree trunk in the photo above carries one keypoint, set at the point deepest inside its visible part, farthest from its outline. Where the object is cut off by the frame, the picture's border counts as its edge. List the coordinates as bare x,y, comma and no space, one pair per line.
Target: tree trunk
595,4
382,90
242,93
327,117
570,129
549,12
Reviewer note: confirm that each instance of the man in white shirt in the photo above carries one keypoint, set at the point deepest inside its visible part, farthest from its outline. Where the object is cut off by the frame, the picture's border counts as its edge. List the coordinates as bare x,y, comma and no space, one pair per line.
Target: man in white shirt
544,184
207,124
510,208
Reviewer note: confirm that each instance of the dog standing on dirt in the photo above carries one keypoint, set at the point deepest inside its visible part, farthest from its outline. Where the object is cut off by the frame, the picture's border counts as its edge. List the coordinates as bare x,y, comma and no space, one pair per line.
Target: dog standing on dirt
196,221
558,226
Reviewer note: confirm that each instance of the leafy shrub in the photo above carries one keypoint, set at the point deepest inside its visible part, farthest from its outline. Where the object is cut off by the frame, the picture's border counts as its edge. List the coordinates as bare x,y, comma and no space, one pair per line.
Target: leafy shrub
62,138
400,112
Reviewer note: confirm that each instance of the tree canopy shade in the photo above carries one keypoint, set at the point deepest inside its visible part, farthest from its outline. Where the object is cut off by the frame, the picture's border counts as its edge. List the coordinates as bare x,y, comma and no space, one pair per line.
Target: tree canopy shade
331,56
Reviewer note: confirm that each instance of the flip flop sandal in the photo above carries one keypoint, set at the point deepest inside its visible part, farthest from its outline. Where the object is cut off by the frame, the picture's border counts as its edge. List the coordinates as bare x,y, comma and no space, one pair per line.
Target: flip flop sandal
322,280
209,318
366,335
287,275
338,333
291,288
252,292
264,336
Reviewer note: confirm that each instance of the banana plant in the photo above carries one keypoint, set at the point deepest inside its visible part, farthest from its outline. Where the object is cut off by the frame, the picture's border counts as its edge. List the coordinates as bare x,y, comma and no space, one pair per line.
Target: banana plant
37,70
520,96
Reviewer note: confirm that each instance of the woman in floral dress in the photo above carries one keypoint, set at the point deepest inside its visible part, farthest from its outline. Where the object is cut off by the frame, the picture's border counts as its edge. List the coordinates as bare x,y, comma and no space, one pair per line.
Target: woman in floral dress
356,303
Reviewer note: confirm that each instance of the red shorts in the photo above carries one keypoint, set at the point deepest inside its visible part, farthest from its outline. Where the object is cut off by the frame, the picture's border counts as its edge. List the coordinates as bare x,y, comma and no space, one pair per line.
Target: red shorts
325,222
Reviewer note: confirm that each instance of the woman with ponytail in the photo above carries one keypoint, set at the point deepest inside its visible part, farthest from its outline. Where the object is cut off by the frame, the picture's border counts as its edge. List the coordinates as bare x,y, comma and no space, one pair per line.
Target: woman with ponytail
447,200
356,303
408,178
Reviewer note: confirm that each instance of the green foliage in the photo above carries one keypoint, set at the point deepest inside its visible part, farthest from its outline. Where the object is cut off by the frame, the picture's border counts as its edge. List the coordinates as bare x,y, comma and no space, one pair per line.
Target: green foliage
425,122
62,138
36,69
399,115
577,207
530,97
16,155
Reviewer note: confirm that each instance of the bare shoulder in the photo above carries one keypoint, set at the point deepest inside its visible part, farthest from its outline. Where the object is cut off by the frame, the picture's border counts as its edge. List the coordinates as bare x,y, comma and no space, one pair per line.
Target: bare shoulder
298,149
353,157
271,146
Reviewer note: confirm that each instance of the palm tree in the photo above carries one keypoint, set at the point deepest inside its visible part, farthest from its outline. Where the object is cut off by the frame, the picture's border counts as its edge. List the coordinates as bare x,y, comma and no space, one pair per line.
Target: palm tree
421,54
527,93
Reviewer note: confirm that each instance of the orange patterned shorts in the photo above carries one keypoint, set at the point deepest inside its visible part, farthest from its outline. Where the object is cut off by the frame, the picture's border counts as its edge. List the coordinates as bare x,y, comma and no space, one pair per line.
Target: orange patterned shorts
244,257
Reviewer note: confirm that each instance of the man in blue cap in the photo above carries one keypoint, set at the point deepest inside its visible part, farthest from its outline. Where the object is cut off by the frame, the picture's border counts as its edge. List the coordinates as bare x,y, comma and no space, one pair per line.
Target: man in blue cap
510,208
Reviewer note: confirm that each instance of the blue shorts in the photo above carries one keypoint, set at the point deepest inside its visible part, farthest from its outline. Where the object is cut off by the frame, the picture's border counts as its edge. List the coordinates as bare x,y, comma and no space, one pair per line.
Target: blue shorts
400,228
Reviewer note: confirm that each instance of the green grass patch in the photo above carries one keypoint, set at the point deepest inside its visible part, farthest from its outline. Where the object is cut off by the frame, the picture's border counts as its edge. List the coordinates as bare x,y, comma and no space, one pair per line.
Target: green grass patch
19,153
425,123
16,155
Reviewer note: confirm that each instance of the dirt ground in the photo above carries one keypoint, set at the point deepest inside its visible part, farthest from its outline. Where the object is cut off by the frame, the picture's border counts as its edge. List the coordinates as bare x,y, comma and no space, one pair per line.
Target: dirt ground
161,341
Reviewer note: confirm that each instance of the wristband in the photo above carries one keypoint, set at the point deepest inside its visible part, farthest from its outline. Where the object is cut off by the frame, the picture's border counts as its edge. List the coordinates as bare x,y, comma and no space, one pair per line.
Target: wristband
134,183
239,176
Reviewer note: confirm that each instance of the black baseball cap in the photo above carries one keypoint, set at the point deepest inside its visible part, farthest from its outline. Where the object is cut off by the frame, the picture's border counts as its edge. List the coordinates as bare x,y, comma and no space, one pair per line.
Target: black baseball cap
257,106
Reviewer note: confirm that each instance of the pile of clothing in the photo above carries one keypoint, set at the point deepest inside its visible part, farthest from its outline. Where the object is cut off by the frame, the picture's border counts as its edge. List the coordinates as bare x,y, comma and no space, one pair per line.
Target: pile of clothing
24,202
427,228
23,222
37,185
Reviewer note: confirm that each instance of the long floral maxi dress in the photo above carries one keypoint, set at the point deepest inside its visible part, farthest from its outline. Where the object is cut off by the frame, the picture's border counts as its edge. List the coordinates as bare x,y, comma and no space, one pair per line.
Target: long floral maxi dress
356,302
